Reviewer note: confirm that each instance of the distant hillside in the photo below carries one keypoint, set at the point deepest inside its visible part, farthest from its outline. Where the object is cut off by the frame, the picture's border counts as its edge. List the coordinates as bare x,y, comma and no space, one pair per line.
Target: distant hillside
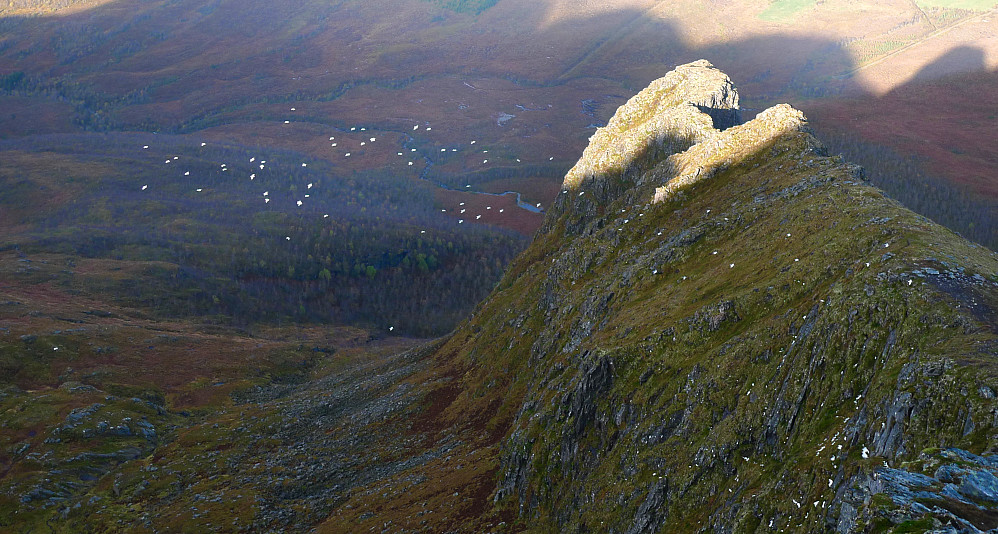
465,6
528,82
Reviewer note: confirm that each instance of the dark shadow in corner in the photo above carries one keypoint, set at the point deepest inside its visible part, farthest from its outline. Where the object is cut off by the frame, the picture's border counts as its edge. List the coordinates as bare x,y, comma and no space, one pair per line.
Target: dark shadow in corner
959,60
723,118
932,150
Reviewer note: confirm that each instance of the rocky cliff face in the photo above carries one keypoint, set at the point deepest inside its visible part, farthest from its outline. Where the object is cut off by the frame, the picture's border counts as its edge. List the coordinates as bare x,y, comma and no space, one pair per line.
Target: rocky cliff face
727,330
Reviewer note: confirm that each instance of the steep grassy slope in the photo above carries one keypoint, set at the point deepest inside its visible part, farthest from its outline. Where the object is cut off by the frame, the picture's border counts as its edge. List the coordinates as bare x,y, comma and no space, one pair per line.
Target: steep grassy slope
717,330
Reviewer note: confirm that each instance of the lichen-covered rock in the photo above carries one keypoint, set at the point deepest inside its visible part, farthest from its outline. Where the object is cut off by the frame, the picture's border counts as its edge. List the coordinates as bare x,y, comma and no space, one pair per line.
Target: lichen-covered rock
718,150
674,110
671,114
959,496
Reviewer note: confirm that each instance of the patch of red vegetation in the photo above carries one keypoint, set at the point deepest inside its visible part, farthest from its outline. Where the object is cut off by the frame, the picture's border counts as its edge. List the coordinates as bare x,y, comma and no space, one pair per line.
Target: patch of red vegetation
105,343
532,189
949,121
428,421
488,208
34,115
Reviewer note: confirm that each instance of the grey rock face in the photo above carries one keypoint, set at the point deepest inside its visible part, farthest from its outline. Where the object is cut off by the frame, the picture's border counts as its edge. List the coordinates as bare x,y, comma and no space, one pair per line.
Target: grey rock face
961,494
651,514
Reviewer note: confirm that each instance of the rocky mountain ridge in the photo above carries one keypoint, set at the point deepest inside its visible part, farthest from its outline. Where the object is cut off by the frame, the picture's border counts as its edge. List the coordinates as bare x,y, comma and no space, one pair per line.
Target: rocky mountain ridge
728,330
719,328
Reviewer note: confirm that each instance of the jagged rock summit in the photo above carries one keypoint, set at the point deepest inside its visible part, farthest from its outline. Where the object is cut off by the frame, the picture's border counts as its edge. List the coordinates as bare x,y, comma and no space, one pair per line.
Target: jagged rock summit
687,124
680,108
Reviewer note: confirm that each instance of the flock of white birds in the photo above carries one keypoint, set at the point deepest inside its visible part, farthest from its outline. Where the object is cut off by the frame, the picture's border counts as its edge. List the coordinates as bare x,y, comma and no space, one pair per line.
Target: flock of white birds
262,164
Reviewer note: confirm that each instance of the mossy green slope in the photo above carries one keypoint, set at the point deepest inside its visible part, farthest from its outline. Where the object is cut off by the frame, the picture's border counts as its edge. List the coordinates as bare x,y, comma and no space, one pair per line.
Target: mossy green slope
732,348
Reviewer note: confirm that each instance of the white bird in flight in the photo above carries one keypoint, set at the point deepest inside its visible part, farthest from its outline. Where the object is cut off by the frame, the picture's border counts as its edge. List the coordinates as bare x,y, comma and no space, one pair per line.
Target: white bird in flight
144,187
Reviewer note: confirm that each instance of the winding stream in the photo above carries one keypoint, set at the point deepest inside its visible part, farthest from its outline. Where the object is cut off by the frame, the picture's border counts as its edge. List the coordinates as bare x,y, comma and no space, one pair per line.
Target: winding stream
423,175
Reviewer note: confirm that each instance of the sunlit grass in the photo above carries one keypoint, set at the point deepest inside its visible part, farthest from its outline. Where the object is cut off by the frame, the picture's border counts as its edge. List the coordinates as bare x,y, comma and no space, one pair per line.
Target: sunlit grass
782,10
975,5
